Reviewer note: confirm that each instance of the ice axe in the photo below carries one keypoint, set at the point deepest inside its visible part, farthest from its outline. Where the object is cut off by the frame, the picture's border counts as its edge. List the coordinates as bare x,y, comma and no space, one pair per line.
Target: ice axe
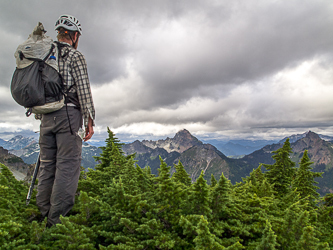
34,177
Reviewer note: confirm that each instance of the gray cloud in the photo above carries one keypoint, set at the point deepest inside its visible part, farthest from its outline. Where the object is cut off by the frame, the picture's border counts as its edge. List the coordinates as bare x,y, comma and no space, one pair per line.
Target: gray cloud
211,63
247,46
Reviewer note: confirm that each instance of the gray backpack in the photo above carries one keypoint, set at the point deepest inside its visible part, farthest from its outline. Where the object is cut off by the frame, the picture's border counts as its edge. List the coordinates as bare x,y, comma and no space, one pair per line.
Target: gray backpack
36,83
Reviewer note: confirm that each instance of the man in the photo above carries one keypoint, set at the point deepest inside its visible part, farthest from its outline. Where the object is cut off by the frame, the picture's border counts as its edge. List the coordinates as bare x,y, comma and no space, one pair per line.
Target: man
60,143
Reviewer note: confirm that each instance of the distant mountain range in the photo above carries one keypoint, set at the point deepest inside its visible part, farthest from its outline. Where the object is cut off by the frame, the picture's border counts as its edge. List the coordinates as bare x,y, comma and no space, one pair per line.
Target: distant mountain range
197,156
320,153
240,148
18,142
28,149
194,155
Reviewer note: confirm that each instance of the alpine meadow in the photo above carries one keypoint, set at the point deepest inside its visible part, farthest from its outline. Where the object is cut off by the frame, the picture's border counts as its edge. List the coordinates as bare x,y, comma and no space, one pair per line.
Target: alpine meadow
120,205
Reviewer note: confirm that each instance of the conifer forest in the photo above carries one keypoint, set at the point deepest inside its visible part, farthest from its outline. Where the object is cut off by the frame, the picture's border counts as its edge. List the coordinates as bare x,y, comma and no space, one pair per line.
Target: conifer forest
120,205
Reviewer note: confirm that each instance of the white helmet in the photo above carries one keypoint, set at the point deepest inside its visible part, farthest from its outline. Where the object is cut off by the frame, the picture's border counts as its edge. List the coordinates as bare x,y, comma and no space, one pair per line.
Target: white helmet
68,22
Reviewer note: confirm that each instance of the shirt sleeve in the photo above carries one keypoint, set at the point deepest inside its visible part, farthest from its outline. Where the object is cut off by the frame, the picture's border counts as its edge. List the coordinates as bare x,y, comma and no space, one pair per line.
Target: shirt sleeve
80,75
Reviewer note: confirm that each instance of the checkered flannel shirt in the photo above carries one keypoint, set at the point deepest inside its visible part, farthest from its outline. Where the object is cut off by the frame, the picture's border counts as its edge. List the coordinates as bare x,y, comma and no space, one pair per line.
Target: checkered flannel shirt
73,68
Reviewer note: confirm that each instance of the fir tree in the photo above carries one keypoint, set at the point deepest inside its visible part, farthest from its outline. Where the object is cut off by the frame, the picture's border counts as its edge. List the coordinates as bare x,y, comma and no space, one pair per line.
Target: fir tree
281,173
325,215
225,222
166,187
105,157
104,174
268,241
199,197
70,235
308,241
213,181
205,240
169,196
296,218
304,180
121,206
15,216
221,202
181,175
259,183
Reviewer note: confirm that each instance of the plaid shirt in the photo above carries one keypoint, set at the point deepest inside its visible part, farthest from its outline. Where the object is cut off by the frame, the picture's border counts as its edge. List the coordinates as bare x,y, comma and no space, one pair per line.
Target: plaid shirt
73,69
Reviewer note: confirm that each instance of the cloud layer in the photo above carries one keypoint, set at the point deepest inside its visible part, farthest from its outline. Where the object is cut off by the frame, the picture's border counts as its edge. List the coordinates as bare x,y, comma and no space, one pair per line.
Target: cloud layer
227,69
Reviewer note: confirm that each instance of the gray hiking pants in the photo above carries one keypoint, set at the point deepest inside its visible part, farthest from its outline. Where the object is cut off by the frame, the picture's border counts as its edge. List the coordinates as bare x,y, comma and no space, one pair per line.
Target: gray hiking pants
60,154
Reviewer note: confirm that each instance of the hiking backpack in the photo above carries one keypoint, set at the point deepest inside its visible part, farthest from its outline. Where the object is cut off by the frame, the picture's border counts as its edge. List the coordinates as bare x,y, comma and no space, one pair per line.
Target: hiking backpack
36,83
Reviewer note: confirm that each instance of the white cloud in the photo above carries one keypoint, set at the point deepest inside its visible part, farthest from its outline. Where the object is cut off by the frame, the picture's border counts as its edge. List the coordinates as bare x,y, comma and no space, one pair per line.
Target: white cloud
155,129
294,99
212,67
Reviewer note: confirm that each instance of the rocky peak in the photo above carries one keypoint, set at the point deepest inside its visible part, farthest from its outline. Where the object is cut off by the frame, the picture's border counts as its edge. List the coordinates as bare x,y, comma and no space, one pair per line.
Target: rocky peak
182,141
311,139
312,136
318,149
185,136
183,133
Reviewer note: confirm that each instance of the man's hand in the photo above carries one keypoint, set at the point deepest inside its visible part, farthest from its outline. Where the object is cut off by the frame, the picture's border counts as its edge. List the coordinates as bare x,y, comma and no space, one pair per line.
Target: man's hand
89,130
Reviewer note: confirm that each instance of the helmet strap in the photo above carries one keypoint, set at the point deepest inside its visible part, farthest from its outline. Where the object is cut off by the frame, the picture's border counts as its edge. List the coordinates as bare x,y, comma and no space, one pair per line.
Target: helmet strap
73,43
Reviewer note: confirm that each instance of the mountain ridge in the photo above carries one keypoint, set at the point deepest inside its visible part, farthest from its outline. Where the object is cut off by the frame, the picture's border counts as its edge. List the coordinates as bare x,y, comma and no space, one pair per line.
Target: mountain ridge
190,151
197,156
182,141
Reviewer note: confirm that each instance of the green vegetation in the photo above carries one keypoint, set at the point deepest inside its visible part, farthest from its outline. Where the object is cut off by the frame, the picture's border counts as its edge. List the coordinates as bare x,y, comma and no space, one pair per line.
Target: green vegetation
13,160
122,206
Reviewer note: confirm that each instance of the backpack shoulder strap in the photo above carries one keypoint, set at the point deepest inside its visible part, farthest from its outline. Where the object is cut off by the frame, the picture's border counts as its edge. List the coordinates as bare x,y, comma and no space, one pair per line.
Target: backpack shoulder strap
60,46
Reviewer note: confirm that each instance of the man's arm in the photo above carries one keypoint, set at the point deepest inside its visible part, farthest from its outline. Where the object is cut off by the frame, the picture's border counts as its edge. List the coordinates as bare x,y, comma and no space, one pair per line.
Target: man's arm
80,74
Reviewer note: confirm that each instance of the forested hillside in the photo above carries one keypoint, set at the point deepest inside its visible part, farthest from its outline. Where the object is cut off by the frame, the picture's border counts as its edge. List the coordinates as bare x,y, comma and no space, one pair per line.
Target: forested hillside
119,205
319,151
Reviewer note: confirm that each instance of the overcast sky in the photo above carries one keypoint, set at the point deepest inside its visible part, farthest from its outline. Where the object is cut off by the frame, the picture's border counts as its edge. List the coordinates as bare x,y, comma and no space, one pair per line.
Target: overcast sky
220,69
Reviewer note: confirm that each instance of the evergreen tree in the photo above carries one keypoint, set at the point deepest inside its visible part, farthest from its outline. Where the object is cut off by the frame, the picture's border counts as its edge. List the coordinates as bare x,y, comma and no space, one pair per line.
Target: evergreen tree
259,183
199,198
324,222
104,174
323,246
205,240
144,180
253,214
221,202
122,206
105,157
281,173
289,233
213,181
70,235
268,241
166,187
181,175
225,222
308,241
304,180
15,216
